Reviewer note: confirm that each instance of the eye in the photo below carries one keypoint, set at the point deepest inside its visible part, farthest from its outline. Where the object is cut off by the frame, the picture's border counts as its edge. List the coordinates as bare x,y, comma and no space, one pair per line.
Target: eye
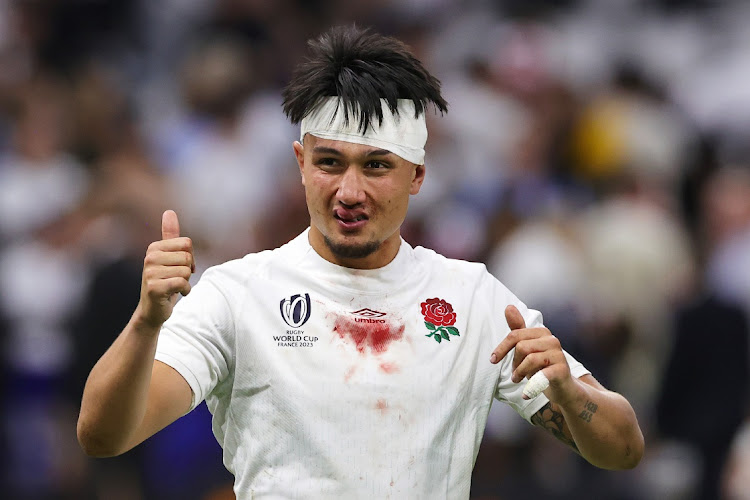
376,165
326,162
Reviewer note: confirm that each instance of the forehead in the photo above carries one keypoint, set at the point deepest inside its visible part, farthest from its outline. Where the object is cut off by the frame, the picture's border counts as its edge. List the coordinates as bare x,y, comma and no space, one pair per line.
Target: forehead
317,145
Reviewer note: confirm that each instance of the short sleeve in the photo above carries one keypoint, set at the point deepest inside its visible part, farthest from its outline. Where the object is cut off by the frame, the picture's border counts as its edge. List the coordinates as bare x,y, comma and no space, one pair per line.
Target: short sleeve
197,339
506,390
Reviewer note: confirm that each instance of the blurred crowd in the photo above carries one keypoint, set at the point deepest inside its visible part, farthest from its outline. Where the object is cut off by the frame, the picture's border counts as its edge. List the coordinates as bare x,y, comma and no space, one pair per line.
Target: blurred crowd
595,156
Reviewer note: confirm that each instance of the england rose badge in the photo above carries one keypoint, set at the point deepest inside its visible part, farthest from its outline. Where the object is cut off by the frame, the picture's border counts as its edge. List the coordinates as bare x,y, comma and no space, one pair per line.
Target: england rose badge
439,318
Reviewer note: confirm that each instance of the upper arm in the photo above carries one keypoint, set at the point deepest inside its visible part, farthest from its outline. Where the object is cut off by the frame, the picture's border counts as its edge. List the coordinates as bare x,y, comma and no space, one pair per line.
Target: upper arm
169,398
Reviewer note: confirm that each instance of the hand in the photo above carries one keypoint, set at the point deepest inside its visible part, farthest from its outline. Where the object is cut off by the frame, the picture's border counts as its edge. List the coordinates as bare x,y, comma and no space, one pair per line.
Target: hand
166,271
536,349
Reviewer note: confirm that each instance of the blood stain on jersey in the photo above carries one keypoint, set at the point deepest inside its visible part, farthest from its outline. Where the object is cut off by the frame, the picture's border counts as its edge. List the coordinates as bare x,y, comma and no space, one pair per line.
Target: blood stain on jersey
375,337
349,373
388,368
382,406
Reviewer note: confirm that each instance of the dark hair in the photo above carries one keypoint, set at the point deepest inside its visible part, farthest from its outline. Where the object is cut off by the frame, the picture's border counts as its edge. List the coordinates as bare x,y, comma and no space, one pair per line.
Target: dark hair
361,67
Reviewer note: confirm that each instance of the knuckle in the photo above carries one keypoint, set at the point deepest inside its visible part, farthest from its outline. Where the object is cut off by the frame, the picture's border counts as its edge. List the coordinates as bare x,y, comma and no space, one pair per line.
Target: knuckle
558,358
524,348
542,360
533,358
174,284
150,258
152,289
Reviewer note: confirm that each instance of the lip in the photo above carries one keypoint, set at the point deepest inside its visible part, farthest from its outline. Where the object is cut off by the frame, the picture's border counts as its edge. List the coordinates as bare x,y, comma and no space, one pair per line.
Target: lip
346,219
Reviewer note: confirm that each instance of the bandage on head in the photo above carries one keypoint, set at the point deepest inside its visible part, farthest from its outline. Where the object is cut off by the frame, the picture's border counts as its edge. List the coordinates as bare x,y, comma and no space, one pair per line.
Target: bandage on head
401,133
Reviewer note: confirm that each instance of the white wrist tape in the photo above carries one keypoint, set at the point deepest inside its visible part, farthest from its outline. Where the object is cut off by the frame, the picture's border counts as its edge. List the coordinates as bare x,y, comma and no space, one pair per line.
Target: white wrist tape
536,384
401,133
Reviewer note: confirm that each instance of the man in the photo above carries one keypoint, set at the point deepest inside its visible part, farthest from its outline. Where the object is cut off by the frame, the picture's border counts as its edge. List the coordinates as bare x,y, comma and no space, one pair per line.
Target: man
346,364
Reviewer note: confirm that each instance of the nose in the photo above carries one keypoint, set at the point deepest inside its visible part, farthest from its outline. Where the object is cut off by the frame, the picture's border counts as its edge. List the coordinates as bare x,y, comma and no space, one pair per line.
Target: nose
351,189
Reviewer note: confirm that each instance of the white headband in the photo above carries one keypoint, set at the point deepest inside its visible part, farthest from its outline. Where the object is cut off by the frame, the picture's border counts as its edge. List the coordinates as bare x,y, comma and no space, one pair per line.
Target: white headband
400,134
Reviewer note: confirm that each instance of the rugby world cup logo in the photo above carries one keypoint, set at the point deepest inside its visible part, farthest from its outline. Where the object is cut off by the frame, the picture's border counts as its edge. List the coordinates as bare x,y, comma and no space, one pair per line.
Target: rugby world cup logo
295,310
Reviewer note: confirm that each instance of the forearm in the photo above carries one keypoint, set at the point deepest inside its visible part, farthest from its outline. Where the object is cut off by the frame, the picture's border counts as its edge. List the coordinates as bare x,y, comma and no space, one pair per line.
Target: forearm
116,392
604,427
127,396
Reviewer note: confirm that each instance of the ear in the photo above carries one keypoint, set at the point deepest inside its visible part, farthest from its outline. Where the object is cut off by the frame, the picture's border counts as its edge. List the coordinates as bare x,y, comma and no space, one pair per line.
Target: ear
417,179
299,154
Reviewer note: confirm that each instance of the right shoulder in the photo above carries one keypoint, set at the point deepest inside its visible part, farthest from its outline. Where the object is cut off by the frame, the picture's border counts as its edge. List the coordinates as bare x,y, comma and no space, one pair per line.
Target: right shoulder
254,266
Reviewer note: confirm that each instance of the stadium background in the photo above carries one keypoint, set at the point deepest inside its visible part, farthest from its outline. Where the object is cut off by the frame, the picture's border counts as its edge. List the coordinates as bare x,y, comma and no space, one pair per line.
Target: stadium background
595,156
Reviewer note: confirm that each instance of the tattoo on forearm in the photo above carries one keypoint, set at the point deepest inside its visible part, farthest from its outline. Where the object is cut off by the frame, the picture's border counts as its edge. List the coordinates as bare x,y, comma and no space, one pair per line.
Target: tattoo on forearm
588,411
550,418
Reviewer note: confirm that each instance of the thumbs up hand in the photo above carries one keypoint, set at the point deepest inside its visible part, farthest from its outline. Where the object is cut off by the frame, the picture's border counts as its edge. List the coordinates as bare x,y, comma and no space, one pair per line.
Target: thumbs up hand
536,351
166,272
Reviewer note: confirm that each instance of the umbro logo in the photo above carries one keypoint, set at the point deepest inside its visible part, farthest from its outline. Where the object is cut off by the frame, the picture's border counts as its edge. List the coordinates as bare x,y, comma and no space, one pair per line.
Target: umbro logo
369,313
368,316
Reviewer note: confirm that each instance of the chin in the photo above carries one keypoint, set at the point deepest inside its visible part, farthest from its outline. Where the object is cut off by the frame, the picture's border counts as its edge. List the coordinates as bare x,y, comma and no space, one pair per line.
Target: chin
351,250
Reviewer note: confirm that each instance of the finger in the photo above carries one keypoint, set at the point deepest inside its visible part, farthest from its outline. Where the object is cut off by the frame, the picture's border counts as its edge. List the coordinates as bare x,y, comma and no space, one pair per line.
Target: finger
170,258
533,363
533,340
537,384
156,289
525,341
170,225
514,318
177,285
185,288
173,245
504,347
515,322
166,272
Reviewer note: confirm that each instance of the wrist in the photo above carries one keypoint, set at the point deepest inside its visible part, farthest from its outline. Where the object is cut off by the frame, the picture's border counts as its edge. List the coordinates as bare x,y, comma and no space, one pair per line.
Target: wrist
142,325
574,396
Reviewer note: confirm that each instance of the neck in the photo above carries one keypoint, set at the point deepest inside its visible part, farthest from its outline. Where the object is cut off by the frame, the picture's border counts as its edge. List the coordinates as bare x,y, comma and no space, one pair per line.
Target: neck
345,255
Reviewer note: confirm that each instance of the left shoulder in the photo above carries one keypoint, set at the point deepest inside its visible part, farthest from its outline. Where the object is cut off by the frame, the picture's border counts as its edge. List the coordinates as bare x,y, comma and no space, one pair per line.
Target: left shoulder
457,267
485,289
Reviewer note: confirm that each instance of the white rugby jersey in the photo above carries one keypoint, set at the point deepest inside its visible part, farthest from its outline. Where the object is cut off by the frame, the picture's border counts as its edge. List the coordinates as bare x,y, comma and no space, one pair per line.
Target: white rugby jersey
330,382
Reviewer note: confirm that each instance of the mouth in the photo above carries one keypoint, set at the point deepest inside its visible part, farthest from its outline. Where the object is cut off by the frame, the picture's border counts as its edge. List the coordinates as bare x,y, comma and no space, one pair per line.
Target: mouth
349,219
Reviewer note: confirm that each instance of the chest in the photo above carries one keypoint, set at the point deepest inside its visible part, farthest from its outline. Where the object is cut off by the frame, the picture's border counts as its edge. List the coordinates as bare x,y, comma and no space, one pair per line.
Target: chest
389,351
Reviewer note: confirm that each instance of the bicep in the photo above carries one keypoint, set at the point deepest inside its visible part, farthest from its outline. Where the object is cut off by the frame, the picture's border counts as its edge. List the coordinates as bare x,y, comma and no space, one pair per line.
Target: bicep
169,398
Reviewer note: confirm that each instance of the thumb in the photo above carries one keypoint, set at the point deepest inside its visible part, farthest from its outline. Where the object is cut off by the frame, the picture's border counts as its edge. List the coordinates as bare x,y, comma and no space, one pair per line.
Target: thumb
514,318
170,226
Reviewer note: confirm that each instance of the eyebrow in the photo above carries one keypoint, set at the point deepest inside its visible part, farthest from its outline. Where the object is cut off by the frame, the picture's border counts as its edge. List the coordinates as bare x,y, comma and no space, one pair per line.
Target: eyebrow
334,151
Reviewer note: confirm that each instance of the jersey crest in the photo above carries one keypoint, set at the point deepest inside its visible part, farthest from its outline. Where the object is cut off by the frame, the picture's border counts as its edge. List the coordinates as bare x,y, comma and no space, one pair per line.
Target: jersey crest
439,318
